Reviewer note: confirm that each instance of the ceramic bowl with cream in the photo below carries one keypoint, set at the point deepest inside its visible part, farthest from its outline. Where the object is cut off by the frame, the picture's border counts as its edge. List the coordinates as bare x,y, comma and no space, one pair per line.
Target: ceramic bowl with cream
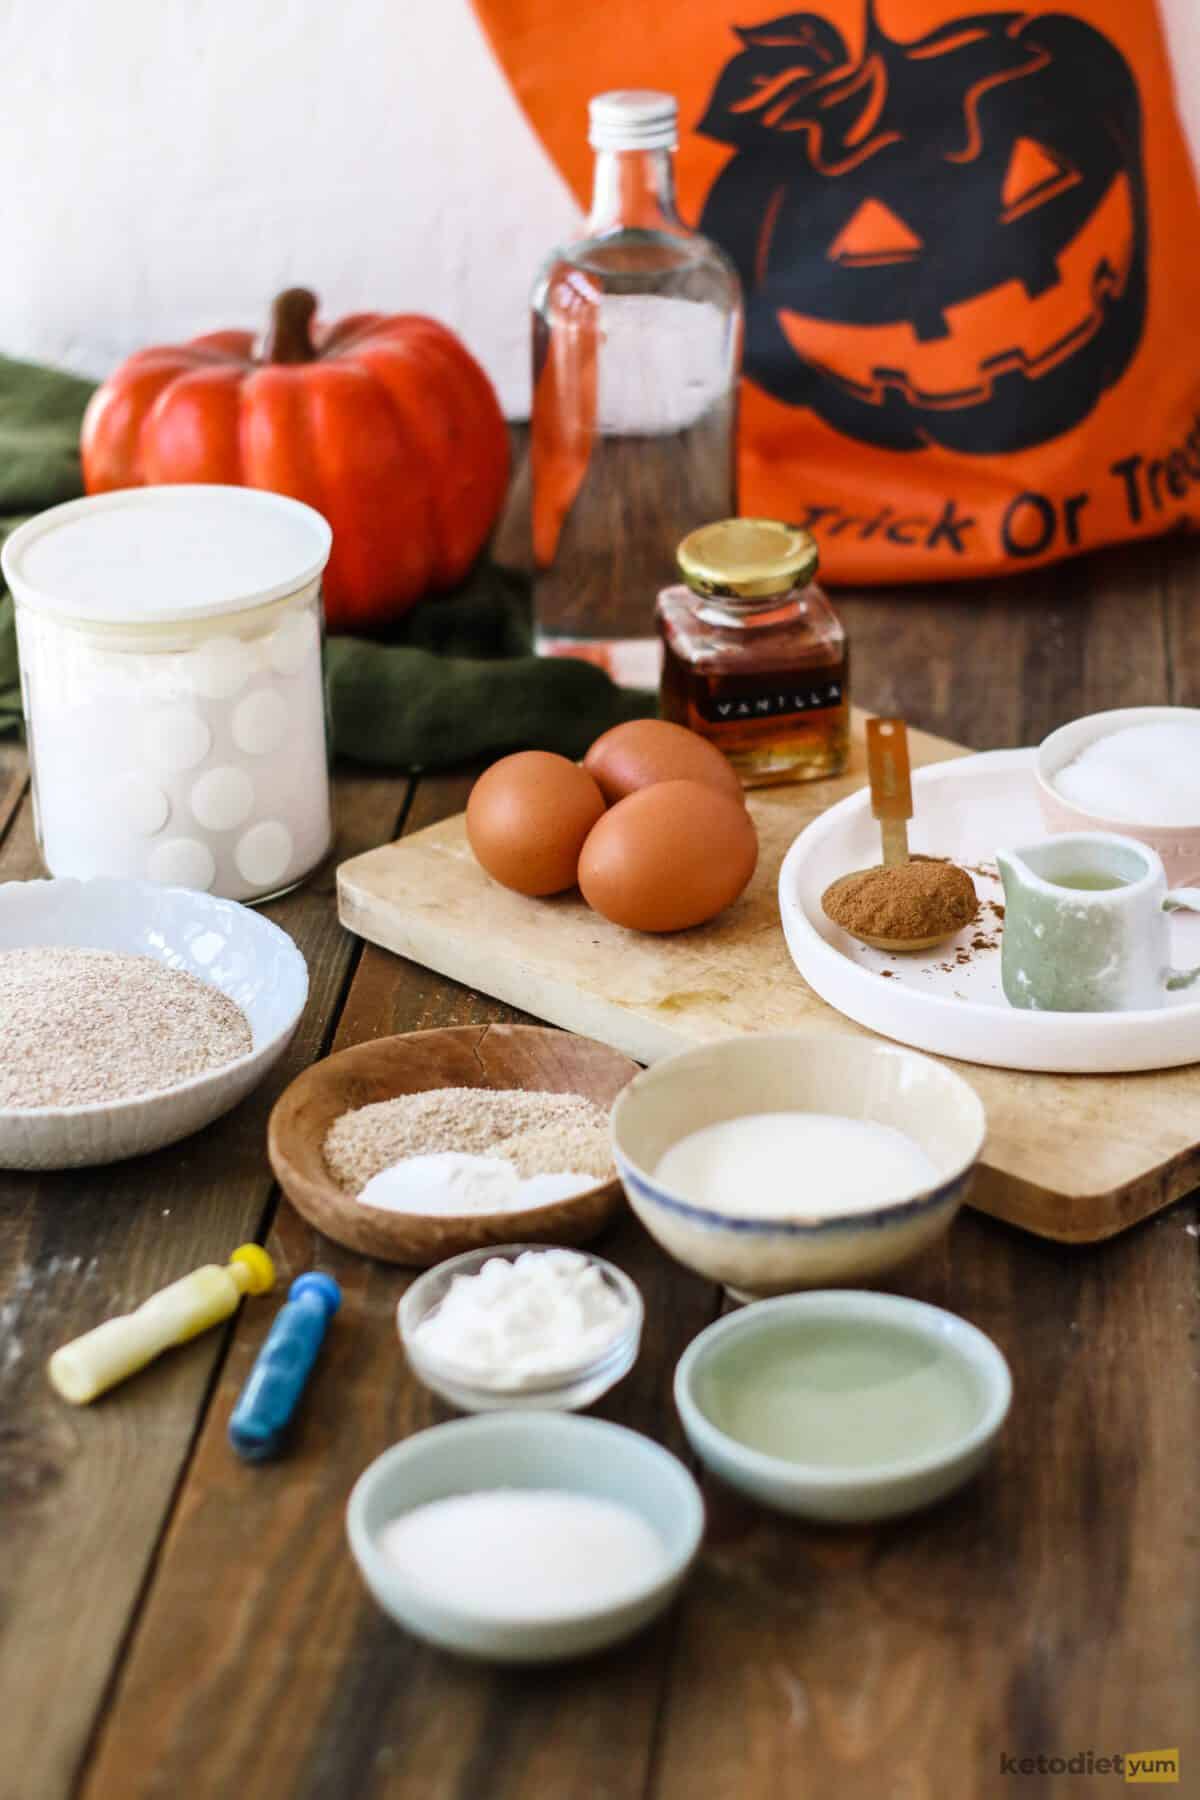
844,1407
171,674
1134,771
848,1156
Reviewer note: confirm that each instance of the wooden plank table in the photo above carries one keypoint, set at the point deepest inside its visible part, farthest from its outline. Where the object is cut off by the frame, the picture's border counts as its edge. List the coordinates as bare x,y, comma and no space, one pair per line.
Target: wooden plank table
175,1623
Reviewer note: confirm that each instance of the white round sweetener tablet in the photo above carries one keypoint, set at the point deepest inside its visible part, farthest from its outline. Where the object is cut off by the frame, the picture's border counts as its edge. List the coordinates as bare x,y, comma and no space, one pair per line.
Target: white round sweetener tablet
182,862
176,738
140,805
260,721
291,645
263,854
222,798
220,666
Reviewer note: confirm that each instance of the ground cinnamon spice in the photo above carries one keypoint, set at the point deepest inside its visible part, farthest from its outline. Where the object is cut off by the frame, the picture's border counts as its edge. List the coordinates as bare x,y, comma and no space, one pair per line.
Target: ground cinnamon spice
916,899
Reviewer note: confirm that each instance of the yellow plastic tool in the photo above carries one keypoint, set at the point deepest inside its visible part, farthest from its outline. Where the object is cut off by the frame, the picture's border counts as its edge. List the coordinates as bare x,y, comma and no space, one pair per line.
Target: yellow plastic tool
98,1360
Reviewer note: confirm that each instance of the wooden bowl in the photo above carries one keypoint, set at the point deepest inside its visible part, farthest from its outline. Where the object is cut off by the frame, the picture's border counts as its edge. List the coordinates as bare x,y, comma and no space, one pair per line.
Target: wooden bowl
483,1056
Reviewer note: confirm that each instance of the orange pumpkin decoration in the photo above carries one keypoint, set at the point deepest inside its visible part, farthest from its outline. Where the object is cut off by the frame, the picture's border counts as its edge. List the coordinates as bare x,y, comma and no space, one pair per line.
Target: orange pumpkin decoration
388,426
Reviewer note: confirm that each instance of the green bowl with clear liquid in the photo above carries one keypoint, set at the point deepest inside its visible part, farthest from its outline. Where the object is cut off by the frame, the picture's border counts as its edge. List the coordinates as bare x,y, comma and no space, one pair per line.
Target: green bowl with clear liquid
844,1406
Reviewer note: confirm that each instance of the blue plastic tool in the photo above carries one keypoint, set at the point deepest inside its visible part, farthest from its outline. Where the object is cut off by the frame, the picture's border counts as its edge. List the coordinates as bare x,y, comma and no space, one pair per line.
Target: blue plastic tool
282,1367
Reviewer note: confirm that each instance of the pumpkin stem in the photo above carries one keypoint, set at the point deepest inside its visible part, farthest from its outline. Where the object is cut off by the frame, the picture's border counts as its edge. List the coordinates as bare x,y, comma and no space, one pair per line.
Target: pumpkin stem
289,335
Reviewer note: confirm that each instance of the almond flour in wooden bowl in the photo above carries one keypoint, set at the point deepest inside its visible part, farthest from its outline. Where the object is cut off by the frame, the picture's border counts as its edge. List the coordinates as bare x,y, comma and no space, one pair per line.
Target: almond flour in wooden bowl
539,1133
84,1027
543,1095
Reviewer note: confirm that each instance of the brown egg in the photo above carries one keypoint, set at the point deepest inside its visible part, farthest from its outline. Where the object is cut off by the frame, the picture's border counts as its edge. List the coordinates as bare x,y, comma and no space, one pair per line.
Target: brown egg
669,856
528,817
644,751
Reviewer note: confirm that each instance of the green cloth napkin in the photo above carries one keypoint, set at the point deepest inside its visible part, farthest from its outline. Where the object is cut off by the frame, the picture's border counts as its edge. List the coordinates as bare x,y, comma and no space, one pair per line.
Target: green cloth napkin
454,681
40,411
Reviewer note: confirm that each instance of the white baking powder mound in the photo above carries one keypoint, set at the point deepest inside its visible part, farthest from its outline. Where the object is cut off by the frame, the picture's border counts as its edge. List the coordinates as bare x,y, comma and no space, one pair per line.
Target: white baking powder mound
518,1324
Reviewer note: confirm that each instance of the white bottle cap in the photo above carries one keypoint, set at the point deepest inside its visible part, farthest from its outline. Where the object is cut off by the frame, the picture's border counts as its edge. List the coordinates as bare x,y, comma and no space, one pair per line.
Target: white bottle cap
633,119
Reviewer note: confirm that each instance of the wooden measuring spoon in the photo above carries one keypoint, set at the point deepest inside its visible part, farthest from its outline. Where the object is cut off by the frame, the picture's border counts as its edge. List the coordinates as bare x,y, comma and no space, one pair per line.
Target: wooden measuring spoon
891,786
892,805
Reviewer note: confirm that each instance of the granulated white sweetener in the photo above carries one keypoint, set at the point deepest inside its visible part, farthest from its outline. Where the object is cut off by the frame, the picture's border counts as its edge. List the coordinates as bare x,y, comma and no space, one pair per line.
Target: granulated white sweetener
518,1554
79,1027
1140,775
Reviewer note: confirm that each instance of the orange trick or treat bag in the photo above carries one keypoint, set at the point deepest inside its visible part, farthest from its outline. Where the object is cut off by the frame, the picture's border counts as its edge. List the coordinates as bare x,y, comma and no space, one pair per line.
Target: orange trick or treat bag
970,246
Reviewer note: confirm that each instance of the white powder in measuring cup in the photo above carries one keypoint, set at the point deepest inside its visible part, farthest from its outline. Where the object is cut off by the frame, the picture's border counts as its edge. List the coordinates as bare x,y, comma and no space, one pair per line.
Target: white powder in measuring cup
520,1554
795,1165
518,1324
1141,775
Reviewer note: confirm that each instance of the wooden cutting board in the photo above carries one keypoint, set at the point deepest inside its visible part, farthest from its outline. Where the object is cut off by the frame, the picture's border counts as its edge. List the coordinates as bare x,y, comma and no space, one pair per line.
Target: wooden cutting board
1073,1157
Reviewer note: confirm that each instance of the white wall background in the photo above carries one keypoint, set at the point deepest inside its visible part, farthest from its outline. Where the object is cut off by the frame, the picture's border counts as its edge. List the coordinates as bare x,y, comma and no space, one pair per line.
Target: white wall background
170,164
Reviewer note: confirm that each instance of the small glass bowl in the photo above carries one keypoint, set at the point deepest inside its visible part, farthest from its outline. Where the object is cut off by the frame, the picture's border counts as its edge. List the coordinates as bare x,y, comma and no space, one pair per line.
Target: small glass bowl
565,1390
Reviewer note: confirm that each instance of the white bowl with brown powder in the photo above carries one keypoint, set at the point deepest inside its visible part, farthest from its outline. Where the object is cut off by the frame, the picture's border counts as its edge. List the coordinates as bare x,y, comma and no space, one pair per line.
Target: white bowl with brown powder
131,1015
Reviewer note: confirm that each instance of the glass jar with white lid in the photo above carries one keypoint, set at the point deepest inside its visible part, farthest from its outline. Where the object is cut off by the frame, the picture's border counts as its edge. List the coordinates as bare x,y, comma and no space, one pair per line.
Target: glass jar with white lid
171,672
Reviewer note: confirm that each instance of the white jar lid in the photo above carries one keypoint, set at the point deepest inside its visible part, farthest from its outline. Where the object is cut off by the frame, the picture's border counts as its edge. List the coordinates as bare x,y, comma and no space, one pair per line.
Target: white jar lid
159,555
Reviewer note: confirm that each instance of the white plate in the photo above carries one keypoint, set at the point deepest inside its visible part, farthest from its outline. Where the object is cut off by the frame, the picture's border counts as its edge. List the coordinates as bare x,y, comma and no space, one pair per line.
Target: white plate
949,1000
227,945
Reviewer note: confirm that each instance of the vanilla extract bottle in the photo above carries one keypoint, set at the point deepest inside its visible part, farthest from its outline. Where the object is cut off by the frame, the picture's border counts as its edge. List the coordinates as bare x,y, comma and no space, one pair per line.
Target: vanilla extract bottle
754,657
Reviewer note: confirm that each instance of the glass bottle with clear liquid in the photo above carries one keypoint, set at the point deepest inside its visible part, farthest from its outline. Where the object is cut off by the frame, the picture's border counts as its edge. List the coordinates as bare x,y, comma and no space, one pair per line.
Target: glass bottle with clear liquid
637,336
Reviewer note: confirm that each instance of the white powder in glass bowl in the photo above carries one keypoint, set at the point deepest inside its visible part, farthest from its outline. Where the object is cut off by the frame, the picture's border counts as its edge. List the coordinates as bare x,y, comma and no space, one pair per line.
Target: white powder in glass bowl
518,1324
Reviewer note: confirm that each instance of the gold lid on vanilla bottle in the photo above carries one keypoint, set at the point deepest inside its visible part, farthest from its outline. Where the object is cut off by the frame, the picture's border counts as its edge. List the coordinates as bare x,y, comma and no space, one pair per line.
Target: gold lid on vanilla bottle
747,559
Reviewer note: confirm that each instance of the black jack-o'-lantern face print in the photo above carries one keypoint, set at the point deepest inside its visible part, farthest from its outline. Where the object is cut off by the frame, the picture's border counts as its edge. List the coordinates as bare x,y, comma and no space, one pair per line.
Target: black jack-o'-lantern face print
943,241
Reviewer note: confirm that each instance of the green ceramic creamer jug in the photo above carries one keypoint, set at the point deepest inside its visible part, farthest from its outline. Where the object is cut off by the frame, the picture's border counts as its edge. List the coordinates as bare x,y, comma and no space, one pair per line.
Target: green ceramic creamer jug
1085,925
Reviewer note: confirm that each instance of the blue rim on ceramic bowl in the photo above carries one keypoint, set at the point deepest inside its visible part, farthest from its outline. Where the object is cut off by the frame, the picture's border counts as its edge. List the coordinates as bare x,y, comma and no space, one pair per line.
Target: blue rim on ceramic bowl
571,1386
878,1219
532,1450
756,1253
847,1494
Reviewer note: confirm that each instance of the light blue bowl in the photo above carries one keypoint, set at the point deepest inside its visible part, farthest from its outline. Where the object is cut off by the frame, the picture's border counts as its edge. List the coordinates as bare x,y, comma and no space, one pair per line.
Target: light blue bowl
819,1490
803,1244
525,1450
